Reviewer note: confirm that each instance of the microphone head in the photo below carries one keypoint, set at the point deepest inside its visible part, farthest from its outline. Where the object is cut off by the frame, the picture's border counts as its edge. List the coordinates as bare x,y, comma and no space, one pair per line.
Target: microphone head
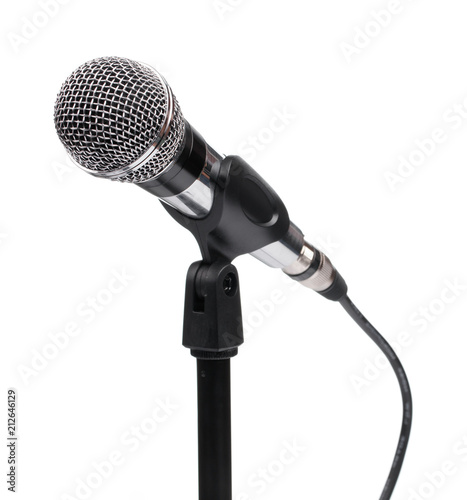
118,119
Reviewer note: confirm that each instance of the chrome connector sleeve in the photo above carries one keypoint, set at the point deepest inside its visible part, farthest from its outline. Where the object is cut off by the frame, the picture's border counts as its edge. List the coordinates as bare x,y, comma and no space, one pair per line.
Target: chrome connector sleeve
303,263
312,269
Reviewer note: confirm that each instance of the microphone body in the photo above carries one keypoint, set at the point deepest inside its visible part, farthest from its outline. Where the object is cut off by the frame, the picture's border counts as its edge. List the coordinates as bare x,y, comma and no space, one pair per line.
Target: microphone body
190,186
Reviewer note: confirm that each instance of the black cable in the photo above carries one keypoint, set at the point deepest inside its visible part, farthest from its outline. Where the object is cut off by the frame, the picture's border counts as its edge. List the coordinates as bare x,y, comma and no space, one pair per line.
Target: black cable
378,339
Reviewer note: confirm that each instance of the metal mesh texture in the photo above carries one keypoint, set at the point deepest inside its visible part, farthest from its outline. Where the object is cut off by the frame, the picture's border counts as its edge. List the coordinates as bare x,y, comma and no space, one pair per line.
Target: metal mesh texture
109,112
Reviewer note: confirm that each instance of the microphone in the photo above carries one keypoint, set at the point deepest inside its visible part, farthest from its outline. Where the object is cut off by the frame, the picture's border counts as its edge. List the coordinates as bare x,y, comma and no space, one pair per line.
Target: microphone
119,119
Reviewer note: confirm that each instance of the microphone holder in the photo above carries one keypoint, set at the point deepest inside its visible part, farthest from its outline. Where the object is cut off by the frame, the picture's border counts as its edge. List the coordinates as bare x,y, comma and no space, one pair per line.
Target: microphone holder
246,215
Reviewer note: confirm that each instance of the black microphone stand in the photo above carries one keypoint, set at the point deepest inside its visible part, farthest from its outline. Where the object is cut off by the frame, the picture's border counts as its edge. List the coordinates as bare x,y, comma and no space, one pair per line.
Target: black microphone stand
212,307
246,215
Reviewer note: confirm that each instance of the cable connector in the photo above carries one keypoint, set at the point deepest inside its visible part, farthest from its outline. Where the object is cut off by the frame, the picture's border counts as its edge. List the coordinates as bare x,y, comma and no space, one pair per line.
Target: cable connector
313,269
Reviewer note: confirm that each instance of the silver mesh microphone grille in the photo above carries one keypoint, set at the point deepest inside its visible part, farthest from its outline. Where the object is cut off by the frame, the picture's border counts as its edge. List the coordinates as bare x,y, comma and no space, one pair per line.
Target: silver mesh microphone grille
118,119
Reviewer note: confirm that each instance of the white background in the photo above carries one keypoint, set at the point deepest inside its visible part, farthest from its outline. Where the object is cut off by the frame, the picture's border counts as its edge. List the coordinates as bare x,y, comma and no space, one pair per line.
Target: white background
233,65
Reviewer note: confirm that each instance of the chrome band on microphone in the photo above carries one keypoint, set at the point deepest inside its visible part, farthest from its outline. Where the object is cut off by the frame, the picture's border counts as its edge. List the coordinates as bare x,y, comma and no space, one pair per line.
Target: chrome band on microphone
196,201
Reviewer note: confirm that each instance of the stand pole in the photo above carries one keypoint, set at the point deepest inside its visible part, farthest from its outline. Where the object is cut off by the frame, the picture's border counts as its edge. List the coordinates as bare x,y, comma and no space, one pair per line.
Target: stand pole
214,430
212,330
